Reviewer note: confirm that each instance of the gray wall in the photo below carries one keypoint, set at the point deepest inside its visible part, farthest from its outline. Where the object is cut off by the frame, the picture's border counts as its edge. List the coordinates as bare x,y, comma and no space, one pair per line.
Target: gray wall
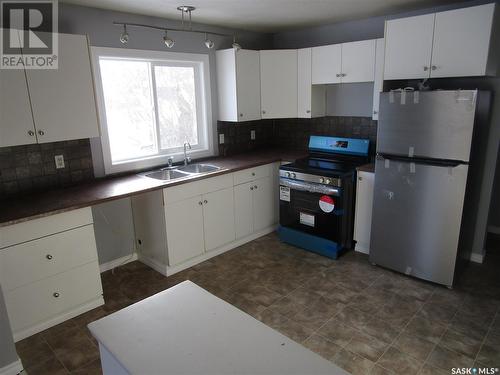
8,353
494,219
113,221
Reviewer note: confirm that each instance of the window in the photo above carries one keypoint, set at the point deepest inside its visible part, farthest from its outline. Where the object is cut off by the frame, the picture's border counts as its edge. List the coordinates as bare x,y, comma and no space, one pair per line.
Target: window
150,104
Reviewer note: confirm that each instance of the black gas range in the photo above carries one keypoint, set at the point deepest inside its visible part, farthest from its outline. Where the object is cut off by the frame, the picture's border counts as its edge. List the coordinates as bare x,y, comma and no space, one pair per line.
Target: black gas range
317,195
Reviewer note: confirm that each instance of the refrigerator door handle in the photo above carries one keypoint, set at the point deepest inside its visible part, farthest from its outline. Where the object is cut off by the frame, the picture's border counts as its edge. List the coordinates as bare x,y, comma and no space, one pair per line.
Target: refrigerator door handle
418,160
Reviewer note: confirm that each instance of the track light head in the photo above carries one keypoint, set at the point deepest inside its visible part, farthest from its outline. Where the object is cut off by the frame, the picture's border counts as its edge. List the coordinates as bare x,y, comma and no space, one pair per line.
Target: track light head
209,43
235,45
124,35
169,42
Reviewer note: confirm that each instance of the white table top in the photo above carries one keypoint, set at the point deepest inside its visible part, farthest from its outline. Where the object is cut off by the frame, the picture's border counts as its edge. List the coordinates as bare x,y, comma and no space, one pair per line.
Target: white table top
187,330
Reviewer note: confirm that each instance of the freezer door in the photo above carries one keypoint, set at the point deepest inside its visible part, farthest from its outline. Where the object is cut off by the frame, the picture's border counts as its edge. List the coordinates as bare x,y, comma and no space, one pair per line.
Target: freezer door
417,212
434,124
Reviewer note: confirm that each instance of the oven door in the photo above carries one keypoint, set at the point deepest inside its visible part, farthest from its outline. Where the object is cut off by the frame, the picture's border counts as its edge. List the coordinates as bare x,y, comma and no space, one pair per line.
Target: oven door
312,208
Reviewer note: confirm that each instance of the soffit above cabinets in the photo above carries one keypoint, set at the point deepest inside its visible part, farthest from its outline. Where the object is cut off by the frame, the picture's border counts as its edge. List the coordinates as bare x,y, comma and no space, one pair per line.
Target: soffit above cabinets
265,15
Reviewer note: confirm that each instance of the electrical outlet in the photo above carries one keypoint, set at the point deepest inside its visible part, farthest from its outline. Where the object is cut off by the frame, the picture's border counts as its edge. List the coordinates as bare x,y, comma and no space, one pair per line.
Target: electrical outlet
59,161
221,139
252,135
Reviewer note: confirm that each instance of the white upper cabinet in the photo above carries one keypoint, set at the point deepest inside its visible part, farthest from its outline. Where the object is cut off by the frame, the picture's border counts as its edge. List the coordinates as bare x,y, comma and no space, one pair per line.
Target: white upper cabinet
378,84
311,100
326,64
278,77
62,99
238,82
408,47
358,61
455,43
462,42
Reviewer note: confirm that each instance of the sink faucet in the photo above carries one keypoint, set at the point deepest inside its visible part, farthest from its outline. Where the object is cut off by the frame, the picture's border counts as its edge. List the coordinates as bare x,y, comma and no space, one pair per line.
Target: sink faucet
170,161
187,159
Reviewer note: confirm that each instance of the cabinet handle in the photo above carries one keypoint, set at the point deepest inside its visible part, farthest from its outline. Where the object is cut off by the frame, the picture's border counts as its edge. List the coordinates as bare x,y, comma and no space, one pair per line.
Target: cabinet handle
255,187
338,75
360,178
434,67
253,173
263,112
251,187
343,74
241,114
205,201
56,295
200,203
31,133
308,111
48,256
426,68
41,132
375,112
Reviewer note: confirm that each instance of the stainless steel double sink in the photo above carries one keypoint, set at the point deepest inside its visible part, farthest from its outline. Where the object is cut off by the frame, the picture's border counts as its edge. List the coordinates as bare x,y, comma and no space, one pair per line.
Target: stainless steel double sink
185,171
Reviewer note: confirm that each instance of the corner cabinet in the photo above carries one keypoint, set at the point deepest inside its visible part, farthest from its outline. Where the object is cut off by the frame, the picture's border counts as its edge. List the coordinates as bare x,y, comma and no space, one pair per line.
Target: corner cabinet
49,271
363,215
50,105
238,83
455,43
278,83
186,224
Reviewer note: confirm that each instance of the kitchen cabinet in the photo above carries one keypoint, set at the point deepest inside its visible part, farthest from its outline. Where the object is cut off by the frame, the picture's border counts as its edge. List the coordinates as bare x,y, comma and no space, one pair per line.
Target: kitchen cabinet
263,204
62,100
218,218
363,214
344,63
16,120
378,85
243,209
49,270
462,42
311,99
238,83
278,80
456,43
408,47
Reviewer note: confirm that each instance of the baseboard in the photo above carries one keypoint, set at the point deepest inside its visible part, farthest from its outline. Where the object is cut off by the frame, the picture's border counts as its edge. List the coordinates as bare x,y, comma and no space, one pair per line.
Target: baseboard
19,335
171,270
117,262
493,229
13,369
476,258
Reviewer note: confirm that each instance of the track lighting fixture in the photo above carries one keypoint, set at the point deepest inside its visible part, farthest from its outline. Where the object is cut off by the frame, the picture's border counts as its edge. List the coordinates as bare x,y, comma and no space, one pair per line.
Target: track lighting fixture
186,11
124,35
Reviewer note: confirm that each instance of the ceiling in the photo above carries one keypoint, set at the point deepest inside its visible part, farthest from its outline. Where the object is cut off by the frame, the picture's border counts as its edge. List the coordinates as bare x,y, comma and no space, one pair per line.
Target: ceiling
264,15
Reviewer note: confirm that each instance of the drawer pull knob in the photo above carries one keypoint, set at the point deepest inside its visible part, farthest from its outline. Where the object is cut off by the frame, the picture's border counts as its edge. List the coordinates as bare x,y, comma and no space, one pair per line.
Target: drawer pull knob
253,173
48,256
251,187
255,187
56,295
205,201
200,203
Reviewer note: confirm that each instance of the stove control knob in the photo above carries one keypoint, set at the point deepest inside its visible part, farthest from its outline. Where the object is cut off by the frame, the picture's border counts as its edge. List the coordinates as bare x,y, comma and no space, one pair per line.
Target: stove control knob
327,181
294,175
288,174
321,180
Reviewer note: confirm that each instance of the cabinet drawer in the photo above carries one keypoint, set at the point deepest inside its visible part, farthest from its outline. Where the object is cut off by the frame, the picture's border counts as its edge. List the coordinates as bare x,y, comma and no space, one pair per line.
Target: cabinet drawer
192,189
37,228
35,303
35,260
250,174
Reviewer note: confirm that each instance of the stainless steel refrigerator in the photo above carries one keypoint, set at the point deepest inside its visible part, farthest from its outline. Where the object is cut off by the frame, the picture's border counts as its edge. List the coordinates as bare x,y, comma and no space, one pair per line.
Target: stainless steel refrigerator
427,180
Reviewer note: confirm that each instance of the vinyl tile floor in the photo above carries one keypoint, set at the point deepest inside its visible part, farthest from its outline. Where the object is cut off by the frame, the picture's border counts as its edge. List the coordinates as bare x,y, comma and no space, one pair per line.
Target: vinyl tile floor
364,318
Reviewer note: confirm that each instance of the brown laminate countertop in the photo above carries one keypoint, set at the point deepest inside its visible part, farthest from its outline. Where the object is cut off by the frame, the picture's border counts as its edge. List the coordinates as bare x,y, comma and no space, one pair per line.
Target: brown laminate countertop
366,168
40,204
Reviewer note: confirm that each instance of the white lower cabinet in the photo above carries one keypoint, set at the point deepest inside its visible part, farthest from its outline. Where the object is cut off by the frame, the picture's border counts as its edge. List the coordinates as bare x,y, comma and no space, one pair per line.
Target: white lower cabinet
49,270
192,222
363,215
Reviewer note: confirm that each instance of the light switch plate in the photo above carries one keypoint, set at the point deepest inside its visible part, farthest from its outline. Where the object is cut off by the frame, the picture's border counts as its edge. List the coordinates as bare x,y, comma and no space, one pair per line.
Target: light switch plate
252,135
59,161
221,139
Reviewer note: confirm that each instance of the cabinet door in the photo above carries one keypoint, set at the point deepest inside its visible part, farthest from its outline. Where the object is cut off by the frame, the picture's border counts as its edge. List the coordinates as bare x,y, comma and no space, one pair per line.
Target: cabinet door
461,41
185,238
218,218
408,47
16,121
264,202
278,77
304,83
243,209
358,61
379,76
326,64
226,84
248,84
363,216
63,99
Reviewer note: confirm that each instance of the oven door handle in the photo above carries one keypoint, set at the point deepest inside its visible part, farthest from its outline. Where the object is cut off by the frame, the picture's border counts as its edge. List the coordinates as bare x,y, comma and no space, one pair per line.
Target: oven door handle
309,187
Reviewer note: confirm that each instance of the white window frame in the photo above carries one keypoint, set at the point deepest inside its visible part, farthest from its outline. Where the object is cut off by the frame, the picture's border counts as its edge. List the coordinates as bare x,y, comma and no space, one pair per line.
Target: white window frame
203,106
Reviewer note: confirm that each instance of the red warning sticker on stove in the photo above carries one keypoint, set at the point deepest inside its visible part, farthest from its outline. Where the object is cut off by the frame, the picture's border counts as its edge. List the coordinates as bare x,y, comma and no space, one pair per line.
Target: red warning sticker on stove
326,203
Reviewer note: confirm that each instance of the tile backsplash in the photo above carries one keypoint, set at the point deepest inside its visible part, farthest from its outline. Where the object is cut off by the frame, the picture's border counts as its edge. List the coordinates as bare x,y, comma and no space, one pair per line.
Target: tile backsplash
293,133
29,168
